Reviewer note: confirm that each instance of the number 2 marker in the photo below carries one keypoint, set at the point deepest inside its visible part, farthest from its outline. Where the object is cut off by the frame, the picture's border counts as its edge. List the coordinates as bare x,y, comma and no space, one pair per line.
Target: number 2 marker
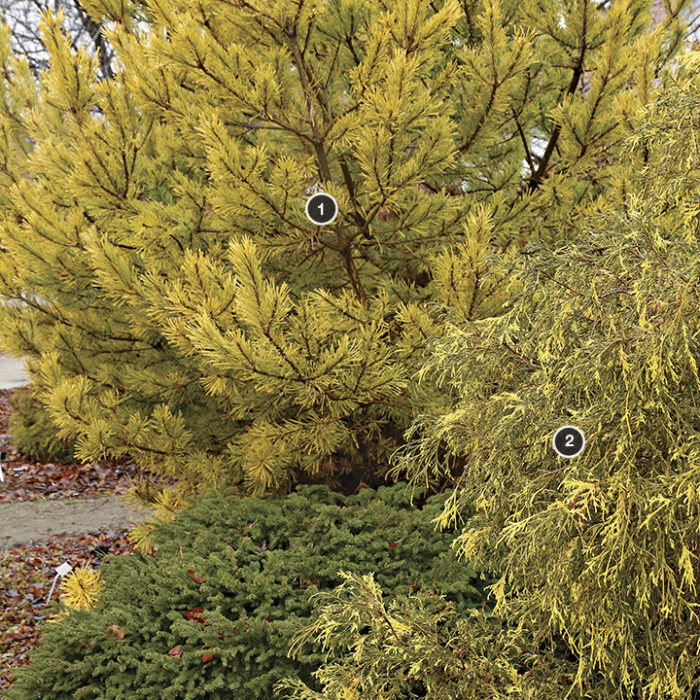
568,441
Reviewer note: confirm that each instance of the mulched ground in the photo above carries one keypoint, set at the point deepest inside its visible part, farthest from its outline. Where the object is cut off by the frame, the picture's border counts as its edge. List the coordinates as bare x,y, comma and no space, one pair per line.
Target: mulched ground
26,480
26,574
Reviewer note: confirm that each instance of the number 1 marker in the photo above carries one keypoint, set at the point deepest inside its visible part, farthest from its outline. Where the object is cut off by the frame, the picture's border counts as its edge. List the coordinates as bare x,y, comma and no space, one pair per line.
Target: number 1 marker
321,208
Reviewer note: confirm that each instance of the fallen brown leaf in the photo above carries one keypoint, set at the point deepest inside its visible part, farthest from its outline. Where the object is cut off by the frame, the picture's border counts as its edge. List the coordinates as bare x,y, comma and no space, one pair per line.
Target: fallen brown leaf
117,631
197,579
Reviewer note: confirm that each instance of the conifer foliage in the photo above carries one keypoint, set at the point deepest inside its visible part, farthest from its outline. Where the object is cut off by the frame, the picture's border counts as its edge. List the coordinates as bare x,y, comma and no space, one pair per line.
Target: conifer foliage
597,556
176,303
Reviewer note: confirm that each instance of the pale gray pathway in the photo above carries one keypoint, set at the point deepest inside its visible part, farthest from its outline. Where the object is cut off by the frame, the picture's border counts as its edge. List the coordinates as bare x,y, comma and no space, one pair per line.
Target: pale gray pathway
12,372
22,523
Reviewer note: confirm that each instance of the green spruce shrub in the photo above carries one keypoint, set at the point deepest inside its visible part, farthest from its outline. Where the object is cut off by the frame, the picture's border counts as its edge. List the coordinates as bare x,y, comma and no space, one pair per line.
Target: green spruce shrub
33,432
212,613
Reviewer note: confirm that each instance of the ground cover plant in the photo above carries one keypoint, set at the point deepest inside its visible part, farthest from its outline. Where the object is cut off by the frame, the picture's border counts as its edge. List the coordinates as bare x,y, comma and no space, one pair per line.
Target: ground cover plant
174,301
211,613
596,557
508,204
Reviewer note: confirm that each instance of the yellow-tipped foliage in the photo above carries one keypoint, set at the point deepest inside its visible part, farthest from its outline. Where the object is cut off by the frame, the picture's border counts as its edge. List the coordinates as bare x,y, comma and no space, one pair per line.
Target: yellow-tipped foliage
164,504
79,589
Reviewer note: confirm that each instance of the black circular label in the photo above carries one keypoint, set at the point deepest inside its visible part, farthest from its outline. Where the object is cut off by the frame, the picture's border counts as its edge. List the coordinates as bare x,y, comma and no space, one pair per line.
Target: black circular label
568,441
321,209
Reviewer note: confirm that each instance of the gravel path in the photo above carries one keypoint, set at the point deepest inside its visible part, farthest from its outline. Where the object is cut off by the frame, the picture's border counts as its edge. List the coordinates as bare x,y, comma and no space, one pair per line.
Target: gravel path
21,523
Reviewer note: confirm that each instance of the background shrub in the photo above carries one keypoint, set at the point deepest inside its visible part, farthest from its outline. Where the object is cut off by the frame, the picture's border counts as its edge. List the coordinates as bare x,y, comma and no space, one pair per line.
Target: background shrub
33,432
212,612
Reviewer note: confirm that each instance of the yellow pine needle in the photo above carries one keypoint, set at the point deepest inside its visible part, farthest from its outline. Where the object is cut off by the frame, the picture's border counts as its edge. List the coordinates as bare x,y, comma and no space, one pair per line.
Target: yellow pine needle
80,588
